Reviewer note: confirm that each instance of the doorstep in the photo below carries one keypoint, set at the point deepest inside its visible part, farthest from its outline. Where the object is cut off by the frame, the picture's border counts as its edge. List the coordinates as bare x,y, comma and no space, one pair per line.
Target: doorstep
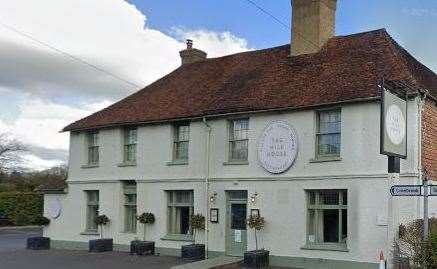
218,262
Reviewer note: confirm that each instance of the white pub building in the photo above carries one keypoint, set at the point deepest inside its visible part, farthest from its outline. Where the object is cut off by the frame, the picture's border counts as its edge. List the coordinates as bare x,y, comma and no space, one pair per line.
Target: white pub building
291,133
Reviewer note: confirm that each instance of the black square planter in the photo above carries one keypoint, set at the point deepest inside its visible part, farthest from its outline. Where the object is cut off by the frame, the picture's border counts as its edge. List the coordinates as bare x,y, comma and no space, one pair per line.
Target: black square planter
256,259
193,252
142,247
38,243
101,245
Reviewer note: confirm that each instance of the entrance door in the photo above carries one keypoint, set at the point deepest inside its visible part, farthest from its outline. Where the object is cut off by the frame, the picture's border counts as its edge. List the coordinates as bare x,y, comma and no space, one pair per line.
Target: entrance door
236,215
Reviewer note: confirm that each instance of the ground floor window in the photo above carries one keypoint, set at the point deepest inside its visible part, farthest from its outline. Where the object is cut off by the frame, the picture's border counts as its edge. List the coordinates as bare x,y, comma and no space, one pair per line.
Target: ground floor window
327,217
180,209
92,210
130,206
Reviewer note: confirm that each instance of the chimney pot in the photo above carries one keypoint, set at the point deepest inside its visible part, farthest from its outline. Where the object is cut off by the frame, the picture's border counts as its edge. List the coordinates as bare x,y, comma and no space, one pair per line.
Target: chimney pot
191,55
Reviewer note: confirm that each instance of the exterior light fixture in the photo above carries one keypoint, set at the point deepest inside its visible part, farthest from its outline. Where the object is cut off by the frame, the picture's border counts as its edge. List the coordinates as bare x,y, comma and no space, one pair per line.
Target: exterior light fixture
253,197
213,198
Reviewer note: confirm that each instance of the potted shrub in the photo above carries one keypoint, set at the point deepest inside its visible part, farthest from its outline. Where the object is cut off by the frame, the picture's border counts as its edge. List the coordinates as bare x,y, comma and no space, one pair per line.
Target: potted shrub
256,258
102,244
141,247
39,242
195,252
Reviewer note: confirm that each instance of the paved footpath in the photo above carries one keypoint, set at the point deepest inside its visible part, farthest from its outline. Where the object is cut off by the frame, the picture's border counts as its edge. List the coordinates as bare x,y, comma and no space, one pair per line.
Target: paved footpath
13,255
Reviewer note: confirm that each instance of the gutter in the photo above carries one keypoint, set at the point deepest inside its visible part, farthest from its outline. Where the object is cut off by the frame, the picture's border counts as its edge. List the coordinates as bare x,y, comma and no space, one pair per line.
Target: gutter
208,142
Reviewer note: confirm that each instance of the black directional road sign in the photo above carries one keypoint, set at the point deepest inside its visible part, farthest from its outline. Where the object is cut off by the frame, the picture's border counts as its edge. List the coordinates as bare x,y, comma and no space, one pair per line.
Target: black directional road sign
406,190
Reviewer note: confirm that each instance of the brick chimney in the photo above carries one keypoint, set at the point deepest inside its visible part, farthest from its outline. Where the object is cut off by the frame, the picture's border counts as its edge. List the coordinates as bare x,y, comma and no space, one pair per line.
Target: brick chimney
191,55
313,24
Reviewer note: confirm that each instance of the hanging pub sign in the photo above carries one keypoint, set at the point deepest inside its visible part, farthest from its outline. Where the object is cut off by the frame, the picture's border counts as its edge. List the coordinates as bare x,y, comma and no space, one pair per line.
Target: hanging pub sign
393,124
277,147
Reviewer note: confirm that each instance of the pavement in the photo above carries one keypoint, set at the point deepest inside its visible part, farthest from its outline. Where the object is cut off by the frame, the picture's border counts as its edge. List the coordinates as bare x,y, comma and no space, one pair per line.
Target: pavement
13,255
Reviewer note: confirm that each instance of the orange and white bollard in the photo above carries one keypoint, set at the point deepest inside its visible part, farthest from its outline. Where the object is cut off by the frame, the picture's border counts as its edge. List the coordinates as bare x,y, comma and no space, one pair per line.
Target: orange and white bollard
381,260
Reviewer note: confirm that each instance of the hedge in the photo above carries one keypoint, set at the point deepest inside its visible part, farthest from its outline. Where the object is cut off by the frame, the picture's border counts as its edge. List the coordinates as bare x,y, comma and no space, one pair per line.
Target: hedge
21,208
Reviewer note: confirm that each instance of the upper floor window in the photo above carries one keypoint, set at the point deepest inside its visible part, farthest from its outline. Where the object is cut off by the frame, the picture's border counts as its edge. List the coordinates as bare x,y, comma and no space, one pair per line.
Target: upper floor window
327,217
238,140
181,142
93,148
130,145
328,133
92,210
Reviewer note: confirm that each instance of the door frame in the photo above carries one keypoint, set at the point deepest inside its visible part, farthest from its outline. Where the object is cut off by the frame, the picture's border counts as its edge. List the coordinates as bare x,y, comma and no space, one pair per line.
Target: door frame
230,201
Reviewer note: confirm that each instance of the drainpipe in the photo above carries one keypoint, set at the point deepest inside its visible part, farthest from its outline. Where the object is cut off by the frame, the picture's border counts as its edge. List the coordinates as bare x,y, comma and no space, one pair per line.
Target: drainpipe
208,142
421,107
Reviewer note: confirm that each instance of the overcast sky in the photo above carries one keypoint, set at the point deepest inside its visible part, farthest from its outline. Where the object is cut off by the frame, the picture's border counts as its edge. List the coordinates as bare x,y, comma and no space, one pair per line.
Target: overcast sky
42,90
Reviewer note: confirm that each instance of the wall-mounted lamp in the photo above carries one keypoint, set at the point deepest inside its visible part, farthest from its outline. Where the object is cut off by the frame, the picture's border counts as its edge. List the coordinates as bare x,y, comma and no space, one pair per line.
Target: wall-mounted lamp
253,198
213,197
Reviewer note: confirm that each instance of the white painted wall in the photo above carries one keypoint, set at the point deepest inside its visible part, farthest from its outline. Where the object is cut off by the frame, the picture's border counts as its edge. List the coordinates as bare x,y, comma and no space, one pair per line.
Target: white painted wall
362,171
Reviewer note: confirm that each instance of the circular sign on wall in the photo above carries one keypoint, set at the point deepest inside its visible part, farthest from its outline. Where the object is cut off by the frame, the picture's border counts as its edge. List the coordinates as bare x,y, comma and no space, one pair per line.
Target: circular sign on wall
277,147
54,208
395,124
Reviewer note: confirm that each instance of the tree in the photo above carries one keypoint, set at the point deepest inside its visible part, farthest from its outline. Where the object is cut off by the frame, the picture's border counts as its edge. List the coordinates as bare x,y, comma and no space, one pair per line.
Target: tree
146,218
257,223
10,152
197,222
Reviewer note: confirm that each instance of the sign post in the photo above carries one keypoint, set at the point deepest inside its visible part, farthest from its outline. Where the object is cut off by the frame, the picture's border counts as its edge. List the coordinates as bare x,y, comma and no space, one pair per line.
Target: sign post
425,208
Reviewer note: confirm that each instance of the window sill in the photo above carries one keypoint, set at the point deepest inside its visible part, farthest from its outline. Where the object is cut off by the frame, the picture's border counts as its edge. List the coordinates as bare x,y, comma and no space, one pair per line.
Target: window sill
326,247
325,159
125,164
86,166
236,163
177,162
89,233
179,237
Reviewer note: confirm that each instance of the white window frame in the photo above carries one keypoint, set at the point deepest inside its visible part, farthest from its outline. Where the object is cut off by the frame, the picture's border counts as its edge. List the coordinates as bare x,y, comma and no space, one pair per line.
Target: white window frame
319,134
93,148
177,141
130,138
318,207
130,208
172,206
92,210
232,140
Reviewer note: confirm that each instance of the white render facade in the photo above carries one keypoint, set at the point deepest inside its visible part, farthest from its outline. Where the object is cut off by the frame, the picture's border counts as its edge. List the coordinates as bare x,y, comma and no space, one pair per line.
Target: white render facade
282,199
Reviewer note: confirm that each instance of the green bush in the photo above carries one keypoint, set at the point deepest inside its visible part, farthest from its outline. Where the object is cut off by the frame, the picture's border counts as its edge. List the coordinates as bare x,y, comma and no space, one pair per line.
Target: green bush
21,208
430,251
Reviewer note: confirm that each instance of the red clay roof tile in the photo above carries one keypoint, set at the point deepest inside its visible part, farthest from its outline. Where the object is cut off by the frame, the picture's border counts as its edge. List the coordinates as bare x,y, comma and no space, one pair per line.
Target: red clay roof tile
348,68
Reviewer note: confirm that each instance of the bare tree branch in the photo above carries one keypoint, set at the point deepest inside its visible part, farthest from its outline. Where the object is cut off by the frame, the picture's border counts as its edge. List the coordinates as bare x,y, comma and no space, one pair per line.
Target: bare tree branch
10,152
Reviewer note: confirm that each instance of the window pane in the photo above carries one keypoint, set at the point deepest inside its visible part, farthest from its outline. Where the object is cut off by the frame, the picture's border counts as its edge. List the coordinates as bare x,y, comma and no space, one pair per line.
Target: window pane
311,226
329,197
329,144
330,226
183,216
184,197
239,150
312,198
183,133
92,209
181,150
238,216
130,136
130,218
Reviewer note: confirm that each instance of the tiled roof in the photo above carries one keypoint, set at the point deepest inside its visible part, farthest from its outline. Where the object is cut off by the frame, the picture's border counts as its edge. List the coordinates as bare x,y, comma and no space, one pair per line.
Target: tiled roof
348,68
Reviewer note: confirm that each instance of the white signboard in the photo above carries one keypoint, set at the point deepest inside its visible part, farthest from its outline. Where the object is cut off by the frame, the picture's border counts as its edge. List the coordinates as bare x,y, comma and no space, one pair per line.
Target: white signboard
395,124
54,208
433,190
406,190
277,147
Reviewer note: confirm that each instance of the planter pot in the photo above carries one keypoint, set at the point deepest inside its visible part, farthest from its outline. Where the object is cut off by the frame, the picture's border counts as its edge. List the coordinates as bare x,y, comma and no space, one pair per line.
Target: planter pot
37,243
256,259
193,252
142,247
101,245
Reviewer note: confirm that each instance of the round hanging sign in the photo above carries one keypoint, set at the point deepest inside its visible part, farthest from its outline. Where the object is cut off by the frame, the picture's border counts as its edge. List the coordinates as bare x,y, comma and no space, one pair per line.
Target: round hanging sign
54,208
395,124
277,147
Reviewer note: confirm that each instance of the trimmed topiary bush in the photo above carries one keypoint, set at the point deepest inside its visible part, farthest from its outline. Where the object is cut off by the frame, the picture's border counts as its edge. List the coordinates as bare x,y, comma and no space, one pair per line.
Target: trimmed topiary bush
146,218
197,222
42,221
101,221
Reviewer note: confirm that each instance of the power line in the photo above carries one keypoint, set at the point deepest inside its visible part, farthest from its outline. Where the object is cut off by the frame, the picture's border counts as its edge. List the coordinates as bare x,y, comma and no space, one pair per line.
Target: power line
269,14
68,55
280,22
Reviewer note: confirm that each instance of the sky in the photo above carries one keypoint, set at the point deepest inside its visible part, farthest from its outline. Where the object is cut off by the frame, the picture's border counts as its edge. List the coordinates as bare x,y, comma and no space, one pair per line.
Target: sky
42,89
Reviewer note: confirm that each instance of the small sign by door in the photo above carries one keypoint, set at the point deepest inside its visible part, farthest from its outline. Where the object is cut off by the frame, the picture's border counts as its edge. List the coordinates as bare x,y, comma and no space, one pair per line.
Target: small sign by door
237,236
